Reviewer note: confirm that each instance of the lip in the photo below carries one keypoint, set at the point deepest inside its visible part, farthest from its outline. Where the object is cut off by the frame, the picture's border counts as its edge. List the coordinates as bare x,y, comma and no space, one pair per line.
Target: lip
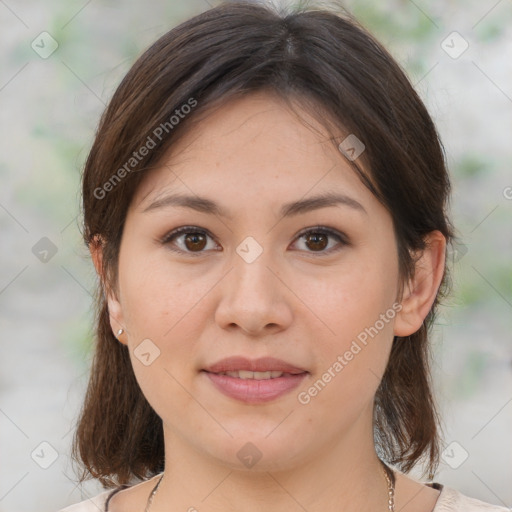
263,364
252,391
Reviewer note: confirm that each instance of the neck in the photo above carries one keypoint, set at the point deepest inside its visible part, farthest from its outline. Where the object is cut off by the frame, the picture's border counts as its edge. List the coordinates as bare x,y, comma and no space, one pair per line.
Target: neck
346,476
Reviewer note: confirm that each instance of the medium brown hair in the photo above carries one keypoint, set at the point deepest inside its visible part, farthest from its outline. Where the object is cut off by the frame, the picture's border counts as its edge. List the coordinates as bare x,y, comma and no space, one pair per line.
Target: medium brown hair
333,68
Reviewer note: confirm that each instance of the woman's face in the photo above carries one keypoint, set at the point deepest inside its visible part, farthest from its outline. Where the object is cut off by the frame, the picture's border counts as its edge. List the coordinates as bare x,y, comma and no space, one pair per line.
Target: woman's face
255,275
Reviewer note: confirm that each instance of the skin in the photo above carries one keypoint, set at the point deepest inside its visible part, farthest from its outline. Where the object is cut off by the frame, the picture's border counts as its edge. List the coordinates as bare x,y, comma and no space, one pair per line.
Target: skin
293,302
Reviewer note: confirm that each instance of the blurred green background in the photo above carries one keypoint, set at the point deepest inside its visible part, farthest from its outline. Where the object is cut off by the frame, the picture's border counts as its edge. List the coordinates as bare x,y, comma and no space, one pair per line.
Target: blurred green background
50,108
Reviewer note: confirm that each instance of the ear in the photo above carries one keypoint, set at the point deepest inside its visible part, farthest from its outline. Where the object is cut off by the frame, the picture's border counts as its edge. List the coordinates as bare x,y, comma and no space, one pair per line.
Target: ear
420,292
114,306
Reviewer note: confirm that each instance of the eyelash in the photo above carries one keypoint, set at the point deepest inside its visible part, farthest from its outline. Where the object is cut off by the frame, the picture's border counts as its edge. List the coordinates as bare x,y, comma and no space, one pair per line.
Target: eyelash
342,239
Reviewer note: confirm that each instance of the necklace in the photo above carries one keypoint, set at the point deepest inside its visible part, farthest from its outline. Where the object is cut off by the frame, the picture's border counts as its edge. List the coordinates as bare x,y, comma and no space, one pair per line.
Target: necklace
152,495
388,474
390,479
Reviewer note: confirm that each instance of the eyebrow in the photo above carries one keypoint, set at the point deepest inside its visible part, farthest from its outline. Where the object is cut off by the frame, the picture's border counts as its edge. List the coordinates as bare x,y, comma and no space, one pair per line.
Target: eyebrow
205,205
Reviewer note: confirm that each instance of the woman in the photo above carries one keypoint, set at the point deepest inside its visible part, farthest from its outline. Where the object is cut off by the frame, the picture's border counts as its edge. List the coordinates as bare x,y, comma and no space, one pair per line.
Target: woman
265,205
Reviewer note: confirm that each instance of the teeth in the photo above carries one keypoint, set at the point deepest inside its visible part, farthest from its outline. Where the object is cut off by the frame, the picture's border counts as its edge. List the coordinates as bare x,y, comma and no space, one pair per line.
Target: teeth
244,374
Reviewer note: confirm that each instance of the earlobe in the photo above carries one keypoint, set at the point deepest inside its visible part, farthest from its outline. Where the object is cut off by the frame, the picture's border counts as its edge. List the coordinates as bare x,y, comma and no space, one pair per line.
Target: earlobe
420,292
114,306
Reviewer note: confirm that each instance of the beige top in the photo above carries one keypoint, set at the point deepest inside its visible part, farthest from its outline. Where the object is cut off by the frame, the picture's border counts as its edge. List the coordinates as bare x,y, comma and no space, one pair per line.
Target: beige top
449,500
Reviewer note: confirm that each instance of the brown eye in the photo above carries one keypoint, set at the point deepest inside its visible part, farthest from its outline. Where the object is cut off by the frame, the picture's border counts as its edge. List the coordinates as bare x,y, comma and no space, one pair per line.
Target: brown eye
189,240
317,241
195,241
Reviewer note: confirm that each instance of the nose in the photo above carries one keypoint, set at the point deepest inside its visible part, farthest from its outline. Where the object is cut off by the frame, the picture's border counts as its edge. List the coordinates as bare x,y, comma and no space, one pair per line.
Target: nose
254,298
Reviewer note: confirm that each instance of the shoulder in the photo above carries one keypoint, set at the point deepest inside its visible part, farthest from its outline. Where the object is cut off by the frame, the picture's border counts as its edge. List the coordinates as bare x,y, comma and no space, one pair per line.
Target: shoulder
102,502
451,500
94,504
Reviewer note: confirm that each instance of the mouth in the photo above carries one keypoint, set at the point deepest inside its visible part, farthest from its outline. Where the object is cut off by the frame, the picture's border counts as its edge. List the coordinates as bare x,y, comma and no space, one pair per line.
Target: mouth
262,368
254,381
246,374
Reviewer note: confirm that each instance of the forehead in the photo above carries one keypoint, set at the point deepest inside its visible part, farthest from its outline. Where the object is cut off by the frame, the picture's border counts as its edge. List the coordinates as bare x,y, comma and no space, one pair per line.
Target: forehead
257,146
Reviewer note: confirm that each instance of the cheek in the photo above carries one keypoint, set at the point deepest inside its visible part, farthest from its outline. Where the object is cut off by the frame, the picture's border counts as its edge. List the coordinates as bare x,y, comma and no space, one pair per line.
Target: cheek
158,298
164,306
357,316
349,301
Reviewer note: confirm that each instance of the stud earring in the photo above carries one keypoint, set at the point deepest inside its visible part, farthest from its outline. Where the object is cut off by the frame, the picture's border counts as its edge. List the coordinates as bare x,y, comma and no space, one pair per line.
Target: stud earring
119,333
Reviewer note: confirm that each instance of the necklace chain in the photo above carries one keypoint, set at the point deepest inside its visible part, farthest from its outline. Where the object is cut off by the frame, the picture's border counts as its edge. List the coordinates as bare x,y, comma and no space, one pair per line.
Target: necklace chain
387,472
390,479
152,495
